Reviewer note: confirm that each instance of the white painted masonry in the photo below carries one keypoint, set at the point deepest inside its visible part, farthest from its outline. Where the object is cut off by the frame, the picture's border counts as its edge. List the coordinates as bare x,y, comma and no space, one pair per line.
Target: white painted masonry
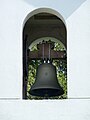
77,106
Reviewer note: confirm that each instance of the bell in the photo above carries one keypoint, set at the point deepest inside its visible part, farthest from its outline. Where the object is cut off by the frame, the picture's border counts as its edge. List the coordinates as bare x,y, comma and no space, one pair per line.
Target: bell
46,83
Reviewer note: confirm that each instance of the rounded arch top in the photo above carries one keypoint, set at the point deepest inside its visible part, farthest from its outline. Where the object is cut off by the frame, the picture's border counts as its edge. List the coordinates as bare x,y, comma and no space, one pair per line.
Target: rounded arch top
45,22
46,39
44,10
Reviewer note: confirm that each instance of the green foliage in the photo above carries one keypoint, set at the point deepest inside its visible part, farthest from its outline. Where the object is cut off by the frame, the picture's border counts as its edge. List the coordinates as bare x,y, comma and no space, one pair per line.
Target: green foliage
61,67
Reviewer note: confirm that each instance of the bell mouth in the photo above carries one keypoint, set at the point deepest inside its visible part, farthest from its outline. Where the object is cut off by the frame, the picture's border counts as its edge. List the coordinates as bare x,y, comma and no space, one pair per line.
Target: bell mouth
46,92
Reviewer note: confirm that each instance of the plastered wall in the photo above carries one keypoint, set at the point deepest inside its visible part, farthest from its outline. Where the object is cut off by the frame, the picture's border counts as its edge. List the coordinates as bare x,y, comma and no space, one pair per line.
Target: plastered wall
77,106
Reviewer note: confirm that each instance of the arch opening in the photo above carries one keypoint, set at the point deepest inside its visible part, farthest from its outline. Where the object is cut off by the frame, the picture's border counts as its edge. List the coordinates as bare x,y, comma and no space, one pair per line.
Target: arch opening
41,24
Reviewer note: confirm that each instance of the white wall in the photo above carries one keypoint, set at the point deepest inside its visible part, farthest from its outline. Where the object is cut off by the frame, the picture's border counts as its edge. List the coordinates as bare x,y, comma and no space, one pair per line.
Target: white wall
78,33
45,110
12,15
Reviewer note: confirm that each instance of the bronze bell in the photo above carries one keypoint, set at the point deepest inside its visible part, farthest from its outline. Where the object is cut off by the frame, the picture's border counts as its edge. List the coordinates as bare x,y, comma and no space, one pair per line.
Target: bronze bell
46,83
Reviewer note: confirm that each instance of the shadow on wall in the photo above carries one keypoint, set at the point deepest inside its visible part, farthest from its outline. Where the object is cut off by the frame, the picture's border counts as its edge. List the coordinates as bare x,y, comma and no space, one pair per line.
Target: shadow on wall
66,8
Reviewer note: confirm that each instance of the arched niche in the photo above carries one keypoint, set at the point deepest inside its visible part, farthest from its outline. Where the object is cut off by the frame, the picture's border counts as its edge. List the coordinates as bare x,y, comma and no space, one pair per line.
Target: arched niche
42,23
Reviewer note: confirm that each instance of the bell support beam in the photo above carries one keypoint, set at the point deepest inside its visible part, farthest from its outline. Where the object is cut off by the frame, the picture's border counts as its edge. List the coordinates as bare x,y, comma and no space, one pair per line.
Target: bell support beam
44,49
